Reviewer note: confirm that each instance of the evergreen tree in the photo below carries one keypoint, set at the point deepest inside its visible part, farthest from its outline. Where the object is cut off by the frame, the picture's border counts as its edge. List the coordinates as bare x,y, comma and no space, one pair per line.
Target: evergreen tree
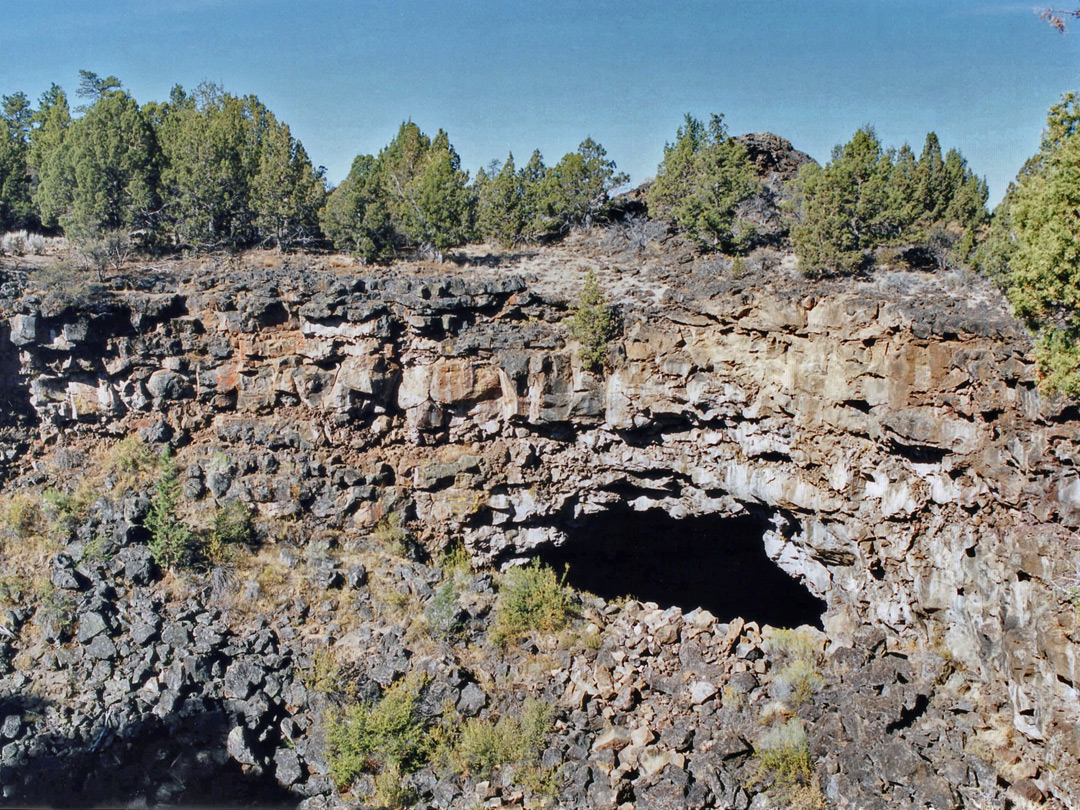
931,183
212,145
1044,280
500,203
49,127
286,192
434,209
531,178
845,207
94,87
703,177
413,195
866,197
574,192
16,209
355,217
103,175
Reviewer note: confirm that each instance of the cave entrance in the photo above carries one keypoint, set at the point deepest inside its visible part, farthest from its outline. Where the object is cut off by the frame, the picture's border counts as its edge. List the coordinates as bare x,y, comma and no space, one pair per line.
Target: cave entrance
714,562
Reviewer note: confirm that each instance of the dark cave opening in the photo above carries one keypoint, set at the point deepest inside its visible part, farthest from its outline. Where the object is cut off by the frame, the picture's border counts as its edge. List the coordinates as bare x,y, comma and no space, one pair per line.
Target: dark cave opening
713,562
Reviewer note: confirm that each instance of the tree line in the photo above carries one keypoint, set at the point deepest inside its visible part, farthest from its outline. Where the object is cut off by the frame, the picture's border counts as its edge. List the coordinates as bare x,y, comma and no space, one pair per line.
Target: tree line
205,169
209,170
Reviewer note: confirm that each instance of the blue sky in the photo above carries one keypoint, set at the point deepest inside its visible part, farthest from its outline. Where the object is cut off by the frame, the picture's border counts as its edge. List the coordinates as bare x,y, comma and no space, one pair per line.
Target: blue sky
521,74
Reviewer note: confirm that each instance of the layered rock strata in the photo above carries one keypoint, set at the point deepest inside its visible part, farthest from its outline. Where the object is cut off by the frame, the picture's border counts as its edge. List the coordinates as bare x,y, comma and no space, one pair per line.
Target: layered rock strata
890,433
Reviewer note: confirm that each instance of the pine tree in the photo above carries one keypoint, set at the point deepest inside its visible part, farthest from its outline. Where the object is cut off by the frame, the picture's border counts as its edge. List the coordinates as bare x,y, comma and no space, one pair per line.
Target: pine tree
16,208
103,175
500,203
435,207
49,182
356,218
1044,282
413,195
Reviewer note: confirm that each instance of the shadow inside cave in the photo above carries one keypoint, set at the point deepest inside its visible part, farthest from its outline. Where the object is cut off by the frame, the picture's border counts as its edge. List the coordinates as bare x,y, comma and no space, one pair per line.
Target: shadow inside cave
178,761
714,562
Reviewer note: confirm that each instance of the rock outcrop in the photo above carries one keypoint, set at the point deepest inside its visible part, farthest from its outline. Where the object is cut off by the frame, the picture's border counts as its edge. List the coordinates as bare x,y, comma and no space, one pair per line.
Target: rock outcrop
887,435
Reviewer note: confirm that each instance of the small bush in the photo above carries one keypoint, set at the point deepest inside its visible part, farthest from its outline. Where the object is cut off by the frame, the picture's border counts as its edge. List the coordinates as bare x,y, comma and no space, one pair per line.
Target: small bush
15,243
170,539
388,739
797,682
323,674
531,598
783,757
64,509
233,528
129,464
593,323
22,517
391,533
793,645
484,746
65,287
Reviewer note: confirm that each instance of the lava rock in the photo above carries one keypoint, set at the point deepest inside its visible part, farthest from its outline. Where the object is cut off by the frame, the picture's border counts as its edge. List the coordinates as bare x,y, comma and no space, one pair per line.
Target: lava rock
287,768
472,700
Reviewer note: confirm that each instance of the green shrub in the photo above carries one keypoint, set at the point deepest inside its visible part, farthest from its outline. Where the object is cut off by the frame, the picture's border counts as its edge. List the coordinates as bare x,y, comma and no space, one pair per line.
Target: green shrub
593,323
484,746
388,739
531,598
783,758
323,674
798,679
233,527
170,538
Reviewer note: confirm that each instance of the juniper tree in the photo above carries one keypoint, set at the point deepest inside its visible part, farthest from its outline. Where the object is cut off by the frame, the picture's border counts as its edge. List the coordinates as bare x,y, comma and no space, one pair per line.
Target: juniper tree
703,176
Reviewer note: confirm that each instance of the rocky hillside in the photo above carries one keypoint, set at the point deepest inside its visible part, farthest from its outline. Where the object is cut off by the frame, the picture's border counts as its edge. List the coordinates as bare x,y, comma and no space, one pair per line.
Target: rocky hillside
867,464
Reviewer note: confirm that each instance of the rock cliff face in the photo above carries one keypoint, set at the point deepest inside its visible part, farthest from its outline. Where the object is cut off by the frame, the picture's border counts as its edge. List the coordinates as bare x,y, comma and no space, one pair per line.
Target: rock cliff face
883,443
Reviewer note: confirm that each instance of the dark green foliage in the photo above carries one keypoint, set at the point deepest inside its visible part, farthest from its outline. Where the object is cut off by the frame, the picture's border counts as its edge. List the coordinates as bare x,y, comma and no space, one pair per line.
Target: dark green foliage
593,323
387,737
574,192
531,597
103,173
16,208
1044,278
287,193
413,196
234,175
1032,250
170,538
94,87
867,196
508,201
355,217
500,199
844,207
703,177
